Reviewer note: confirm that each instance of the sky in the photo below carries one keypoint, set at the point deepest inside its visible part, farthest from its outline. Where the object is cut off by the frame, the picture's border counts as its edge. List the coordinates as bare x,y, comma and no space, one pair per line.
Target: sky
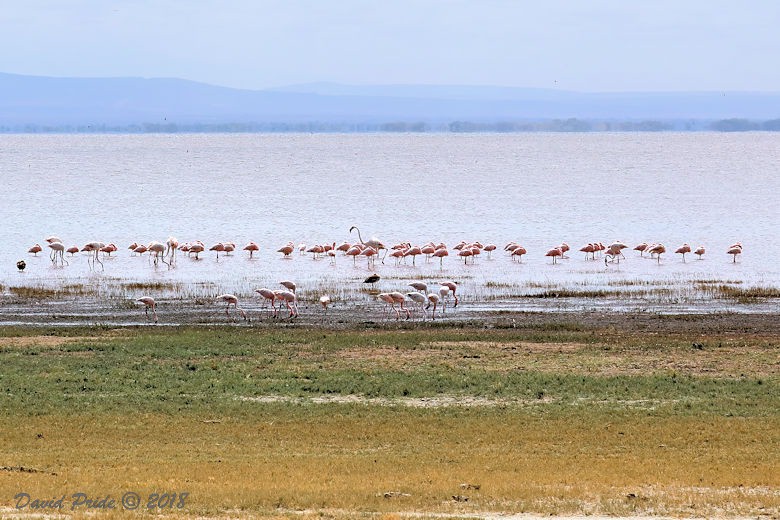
580,45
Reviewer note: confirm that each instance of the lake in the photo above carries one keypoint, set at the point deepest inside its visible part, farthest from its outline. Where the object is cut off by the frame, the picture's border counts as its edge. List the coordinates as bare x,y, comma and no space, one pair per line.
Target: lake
710,189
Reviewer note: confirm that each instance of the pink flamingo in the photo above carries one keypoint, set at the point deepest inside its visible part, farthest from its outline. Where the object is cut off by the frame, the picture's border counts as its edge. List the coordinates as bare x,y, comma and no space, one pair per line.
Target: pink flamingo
57,250
72,250
641,248
554,253
440,254
269,295
392,298
35,249
735,249
289,298
252,248
452,286
419,299
699,251
518,251
286,250
220,247
433,299
230,299
287,284
490,248
657,249
685,248
149,303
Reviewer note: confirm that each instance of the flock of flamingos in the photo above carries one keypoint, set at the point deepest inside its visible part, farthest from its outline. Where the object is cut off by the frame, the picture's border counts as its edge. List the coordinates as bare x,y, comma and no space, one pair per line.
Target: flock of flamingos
420,298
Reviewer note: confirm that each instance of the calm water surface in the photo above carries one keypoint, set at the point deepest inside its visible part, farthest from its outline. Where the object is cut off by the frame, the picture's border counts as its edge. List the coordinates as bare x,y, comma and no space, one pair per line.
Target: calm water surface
537,189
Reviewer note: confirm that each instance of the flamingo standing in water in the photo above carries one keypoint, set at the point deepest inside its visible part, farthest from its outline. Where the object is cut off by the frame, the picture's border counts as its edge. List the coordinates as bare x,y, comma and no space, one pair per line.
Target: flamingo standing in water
392,298
657,249
251,247
373,242
94,248
433,299
325,301
269,295
289,298
554,253
420,299
230,299
735,249
286,250
452,286
685,248
699,251
57,250
149,303
287,284
35,249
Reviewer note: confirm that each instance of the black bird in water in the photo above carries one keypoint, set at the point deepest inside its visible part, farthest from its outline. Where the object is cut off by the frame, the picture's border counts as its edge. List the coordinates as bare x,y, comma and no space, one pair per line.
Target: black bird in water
21,264
374,278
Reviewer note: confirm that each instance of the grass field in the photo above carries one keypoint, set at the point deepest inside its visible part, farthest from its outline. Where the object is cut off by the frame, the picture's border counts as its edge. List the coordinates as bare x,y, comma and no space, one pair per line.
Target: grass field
564,420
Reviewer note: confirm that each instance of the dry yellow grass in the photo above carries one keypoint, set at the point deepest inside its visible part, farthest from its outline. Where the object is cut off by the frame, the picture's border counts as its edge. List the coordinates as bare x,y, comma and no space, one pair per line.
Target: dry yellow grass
348,457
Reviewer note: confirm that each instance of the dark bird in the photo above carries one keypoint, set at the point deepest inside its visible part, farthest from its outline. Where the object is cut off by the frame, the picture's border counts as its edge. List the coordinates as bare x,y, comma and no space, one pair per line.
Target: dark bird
374,278
21,264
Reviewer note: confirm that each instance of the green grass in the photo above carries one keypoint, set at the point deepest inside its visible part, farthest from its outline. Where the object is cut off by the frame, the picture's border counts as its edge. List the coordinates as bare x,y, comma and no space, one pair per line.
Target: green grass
170,369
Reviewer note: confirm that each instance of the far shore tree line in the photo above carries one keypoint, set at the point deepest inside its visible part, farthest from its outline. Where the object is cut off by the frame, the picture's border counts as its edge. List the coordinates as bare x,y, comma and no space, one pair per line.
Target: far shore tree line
552,125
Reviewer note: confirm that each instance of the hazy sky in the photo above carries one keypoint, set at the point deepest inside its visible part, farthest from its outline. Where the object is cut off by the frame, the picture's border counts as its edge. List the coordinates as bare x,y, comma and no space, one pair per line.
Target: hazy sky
598,45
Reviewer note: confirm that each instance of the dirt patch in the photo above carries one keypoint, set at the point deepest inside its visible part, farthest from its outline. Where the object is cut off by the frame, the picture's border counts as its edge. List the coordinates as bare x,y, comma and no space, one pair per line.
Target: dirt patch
41,341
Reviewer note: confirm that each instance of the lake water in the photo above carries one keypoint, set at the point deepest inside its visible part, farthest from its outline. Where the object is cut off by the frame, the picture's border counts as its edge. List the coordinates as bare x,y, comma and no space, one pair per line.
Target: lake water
537,189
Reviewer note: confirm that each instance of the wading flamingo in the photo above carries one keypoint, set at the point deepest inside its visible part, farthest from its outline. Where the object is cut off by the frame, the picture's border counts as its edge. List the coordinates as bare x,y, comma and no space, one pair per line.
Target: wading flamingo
735,249
289,298
149,303
699,251
57,250
269,295
230,299
372,242
252,248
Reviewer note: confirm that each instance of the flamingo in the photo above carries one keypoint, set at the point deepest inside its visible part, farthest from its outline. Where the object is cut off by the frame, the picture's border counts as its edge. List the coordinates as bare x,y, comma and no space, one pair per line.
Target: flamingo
252,247
440,253
286,250
735,249
196,248
641,248
219,247
325,301
268,294
419,286
149,303
413,252
57,250
372,242
231,299
554,253
657,249
518,251
452,286
589,249
158,250
354,252
490,248
287,284
72,250
290,299
35,249
433,298
392,298
419,299
94,248
699,251
52,239
171,245
685,248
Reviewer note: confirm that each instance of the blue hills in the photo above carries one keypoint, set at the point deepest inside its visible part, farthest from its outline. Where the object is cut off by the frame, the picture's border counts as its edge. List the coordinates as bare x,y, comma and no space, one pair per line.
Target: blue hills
51,102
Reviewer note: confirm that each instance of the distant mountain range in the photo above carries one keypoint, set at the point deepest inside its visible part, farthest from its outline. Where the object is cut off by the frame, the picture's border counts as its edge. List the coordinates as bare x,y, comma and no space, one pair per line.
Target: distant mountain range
79,104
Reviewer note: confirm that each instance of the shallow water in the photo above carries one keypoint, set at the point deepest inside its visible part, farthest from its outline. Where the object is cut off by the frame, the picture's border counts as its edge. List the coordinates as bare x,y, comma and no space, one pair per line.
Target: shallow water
537,189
